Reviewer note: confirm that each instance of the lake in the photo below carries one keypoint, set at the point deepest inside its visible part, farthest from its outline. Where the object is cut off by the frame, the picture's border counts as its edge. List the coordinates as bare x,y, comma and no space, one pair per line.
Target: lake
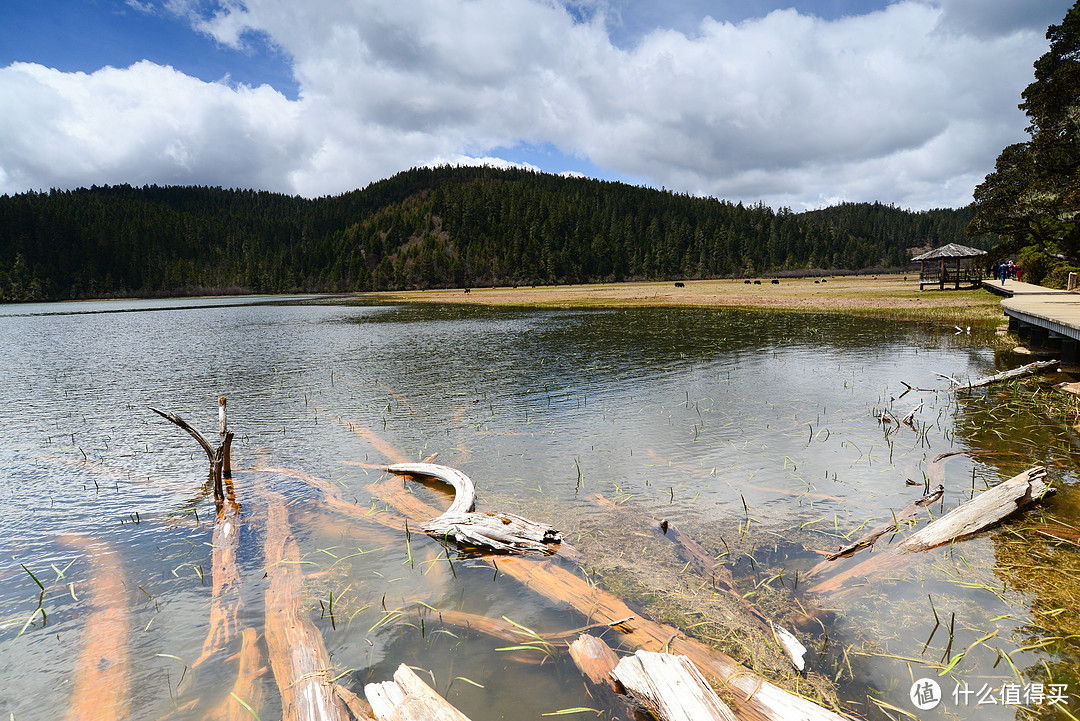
758,434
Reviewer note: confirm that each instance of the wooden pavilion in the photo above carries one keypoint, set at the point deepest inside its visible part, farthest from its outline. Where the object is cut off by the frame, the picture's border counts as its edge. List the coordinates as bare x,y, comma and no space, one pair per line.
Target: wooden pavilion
952,263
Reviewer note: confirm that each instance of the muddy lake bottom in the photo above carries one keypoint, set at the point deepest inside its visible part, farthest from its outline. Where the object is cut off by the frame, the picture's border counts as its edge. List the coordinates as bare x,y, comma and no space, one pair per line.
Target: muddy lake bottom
756,434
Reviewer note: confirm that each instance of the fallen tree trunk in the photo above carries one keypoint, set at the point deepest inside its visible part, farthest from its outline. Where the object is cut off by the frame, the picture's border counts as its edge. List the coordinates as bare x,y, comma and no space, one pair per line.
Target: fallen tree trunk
597,661
225,593
297,652
508,630
983,511
755,698
1030,368
103,669
246,690
671,688
722,580
407,698
502,532
870,537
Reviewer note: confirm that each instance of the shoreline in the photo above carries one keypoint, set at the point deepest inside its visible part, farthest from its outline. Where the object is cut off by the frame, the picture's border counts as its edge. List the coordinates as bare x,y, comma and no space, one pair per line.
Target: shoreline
887,297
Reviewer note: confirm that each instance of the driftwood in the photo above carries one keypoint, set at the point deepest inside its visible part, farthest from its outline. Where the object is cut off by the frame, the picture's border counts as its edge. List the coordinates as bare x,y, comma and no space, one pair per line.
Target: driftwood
218,456
971,517
503,532
870,537
984,510
671,688
225,592
247,688
594,659
754,698
722,580
297,652
407,698
103,669
1030,368
507,630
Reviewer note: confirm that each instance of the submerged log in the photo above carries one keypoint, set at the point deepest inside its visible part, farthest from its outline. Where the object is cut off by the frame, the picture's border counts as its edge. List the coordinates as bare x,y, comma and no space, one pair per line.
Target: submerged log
980,512
247,688
503,532
594,659
297,652
407,698
225,592
671,688
103,668
870,537
1030,368
986,509
722,580
755,698
597,661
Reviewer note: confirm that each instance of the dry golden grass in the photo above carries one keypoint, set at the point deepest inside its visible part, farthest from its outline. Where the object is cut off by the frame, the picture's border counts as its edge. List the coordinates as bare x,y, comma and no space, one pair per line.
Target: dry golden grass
887,296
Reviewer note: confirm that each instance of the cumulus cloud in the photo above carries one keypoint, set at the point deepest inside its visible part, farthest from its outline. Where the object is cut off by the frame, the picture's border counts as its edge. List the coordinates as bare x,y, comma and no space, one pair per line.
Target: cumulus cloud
908,104
142,124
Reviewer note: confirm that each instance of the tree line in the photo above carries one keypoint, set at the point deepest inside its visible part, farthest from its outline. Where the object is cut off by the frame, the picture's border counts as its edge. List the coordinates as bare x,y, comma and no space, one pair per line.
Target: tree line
427,228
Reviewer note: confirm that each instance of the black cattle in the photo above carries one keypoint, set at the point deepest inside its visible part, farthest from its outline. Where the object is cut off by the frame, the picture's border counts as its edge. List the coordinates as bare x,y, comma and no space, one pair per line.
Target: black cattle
680,284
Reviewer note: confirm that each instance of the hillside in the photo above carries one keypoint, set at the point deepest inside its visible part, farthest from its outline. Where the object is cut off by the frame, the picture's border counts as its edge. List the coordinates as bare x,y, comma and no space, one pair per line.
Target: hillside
432,227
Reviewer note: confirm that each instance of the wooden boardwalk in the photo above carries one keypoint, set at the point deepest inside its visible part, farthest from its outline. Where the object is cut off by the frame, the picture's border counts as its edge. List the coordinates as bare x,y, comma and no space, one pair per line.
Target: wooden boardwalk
1041,316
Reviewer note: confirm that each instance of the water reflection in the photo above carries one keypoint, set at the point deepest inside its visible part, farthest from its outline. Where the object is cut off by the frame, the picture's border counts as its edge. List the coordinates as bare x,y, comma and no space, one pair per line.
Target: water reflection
756,433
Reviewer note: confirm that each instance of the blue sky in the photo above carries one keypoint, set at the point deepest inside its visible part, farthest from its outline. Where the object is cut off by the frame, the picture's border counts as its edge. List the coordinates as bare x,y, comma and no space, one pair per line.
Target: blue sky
906,102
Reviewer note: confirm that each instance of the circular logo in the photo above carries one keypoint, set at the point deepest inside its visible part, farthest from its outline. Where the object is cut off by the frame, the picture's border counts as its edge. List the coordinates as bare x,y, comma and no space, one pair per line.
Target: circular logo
925,694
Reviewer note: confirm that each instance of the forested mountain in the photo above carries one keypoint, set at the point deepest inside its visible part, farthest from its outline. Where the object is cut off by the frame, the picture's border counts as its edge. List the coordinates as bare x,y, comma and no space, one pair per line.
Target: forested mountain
431,227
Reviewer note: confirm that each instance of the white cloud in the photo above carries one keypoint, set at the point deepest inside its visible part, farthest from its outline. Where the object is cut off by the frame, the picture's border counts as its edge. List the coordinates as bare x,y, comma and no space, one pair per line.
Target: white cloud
142,124
910,104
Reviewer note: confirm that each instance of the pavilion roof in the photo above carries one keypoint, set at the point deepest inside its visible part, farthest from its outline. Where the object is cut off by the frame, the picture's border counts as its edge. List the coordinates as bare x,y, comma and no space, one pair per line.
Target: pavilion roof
952,250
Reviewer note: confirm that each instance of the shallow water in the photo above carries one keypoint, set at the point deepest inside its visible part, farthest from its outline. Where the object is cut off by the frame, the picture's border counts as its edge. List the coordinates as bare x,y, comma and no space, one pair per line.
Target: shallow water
708,418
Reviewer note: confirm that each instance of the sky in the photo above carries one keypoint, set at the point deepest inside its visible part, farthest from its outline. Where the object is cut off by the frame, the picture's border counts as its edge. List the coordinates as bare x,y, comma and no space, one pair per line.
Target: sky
794,103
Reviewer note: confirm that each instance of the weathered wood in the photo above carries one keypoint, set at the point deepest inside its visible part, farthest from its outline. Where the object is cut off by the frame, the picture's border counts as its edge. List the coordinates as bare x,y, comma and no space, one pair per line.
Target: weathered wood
226,439
297,652
507,631
1030,368
983,511
986,509
503,532
225,591
407,698
597,661
247,687
671,687
870,537
755,698
594,659
216,455
102,670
